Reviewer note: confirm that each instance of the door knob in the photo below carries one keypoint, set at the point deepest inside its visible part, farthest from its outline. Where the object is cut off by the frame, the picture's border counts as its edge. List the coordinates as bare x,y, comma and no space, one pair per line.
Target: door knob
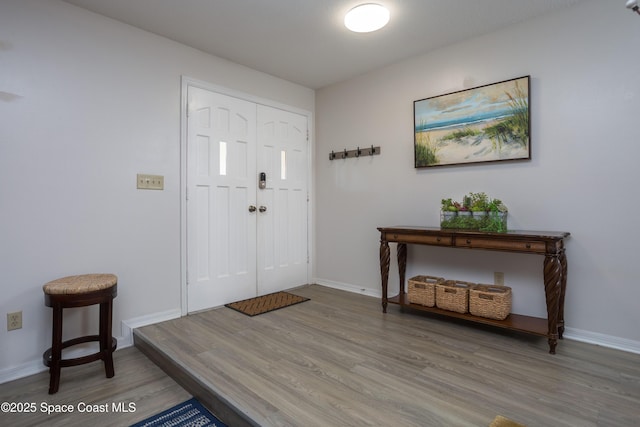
262,209
252,208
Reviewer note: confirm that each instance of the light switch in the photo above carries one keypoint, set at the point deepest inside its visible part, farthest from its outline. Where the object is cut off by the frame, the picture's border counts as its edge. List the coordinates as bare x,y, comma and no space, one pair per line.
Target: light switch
150,182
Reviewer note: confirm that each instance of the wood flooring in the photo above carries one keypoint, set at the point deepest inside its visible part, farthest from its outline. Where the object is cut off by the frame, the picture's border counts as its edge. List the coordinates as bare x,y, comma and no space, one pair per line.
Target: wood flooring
139,386
337,360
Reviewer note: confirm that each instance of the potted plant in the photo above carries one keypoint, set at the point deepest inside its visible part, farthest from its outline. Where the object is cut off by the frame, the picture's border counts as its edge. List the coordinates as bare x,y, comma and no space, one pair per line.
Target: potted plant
497,220
479,204
464,207
449,209
496,206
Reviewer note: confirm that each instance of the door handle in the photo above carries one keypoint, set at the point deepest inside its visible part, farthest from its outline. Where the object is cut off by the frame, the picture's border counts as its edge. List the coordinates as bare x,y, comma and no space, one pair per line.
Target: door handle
262,209
252,208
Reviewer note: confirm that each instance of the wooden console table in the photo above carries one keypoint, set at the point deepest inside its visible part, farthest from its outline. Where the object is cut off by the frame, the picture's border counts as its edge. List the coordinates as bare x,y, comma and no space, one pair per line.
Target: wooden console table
549,244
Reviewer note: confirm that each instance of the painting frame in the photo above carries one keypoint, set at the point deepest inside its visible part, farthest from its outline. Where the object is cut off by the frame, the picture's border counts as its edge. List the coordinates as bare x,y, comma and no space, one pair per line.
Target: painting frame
483,124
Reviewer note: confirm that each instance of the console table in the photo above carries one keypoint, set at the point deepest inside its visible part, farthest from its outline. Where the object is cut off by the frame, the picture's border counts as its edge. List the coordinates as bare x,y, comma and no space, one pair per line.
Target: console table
549,244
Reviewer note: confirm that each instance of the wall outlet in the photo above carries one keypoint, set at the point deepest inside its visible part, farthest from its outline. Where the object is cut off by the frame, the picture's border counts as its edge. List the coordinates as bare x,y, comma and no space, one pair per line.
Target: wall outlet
14,320
498,278
150,182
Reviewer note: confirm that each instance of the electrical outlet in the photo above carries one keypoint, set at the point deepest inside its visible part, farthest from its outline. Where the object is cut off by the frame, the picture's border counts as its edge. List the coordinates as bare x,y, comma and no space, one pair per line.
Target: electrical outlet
150,182
498,278
14,320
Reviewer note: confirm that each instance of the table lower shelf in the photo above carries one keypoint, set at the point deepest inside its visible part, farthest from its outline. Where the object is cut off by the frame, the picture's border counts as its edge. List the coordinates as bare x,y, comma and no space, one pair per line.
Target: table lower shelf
514,322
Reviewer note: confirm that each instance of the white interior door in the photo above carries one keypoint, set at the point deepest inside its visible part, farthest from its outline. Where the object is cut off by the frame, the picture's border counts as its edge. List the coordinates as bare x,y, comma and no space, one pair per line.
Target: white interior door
221,188
283,203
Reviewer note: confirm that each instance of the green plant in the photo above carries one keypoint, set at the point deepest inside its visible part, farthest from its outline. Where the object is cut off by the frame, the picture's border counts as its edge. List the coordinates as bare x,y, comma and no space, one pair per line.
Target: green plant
494,221
516,127
425,149
496,205
479,202
449,205
462,133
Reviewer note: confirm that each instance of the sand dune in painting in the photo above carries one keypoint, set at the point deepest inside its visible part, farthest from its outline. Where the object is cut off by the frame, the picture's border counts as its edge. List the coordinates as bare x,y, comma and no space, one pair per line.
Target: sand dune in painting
472,148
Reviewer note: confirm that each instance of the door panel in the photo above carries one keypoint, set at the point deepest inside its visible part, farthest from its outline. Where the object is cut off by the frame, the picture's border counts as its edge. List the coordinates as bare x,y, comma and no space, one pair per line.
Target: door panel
282,228
221,185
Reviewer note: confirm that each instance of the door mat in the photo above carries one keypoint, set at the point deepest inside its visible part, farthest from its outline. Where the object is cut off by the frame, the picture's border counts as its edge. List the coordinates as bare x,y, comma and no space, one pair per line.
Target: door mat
189,413
264,304
501,421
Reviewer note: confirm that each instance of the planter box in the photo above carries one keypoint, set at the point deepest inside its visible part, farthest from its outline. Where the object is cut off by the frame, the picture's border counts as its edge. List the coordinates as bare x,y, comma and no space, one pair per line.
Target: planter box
492,221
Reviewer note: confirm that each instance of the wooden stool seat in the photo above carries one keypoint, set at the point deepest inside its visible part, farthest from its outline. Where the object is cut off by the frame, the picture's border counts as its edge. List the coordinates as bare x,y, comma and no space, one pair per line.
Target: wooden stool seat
80,291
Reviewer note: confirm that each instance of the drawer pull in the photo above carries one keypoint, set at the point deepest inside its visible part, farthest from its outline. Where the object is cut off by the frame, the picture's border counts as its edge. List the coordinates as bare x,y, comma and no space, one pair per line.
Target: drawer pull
528,245
468,241
438,239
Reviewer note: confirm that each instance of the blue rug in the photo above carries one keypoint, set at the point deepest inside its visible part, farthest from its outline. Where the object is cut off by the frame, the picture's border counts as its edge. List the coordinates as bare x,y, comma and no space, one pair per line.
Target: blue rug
187,414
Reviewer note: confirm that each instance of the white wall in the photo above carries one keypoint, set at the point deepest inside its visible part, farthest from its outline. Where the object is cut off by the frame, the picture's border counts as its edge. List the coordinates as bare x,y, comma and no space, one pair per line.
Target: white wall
86,103
582,177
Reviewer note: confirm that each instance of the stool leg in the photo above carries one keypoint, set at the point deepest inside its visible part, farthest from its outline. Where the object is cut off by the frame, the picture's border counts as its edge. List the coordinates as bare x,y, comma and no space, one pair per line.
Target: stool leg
56,350
106,310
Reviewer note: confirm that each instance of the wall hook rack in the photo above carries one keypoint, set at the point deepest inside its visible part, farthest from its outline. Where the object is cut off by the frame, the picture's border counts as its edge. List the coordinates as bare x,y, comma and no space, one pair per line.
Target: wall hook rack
371,151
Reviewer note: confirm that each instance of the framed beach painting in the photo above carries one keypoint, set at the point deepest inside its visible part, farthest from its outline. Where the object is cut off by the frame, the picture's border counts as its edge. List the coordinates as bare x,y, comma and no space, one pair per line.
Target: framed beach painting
484,124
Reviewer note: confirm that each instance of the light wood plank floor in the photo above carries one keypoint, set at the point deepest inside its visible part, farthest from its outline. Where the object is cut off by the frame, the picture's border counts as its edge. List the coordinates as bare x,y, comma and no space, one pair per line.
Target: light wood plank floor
138,380
336,360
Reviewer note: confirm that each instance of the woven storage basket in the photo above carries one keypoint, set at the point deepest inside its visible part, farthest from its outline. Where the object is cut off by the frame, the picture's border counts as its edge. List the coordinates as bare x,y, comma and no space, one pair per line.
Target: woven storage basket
490,301
422,290
453,295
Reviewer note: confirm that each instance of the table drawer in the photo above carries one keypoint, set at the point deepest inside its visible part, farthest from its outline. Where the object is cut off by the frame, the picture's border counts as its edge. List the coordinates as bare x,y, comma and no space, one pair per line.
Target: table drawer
420,240
501,245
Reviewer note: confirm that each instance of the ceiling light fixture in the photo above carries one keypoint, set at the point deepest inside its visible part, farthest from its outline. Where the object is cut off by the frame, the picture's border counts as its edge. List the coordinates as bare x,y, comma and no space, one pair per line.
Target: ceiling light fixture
633,5
366,18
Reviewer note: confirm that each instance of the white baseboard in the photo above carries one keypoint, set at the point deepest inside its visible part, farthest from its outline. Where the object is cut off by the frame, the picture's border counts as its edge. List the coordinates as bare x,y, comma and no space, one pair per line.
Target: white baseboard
129,325
602,340
24,370
349,288
124,340
569,333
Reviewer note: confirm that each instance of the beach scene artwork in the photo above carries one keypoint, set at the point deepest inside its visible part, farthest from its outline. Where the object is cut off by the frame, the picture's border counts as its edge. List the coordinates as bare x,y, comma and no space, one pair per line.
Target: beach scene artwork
484,124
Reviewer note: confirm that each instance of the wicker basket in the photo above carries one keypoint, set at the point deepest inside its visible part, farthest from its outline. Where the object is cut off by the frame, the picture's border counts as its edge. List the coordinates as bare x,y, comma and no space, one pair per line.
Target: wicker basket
422,290
490,301
453,295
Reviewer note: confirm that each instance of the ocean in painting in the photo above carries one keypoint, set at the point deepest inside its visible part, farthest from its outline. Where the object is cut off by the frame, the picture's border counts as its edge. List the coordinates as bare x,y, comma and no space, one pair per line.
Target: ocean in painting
465,121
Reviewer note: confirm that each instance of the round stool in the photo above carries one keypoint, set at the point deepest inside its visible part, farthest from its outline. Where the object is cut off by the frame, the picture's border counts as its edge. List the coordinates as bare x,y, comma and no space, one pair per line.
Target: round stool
80,291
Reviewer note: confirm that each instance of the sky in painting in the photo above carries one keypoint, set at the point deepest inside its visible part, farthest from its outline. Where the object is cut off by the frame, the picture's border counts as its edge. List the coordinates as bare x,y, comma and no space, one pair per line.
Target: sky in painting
468,106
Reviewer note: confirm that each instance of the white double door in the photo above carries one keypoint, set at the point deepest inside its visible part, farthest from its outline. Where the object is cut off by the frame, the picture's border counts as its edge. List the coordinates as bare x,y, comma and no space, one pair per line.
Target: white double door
244,239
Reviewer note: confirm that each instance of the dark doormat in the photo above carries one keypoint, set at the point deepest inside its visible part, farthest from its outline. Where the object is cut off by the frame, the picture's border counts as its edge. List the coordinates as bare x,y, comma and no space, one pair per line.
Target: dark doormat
266,303
189,413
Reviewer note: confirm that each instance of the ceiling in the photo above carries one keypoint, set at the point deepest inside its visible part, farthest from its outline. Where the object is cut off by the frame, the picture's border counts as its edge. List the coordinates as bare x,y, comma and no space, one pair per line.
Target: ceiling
305,41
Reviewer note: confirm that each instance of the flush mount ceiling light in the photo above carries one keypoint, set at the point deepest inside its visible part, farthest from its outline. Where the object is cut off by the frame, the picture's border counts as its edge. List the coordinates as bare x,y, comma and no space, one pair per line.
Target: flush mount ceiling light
366,18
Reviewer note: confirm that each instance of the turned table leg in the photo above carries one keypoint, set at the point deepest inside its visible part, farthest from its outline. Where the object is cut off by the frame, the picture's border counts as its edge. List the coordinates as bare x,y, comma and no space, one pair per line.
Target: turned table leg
553,289
563,289
385,256
402,266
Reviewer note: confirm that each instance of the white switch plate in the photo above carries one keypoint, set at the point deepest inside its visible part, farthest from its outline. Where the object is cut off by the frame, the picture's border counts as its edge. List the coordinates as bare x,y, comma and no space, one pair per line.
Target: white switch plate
498,278
150,182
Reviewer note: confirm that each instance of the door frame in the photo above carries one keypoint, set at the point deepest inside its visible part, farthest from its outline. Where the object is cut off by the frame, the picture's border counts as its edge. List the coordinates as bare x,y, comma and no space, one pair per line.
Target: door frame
189,81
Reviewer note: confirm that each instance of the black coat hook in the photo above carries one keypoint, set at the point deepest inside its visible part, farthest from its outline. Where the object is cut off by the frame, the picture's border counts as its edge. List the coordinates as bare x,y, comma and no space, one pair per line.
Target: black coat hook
357,152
